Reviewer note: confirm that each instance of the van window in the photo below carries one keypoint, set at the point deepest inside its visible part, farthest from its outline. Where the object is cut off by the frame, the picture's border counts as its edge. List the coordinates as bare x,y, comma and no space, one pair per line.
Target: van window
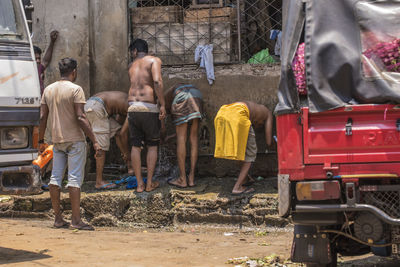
12,25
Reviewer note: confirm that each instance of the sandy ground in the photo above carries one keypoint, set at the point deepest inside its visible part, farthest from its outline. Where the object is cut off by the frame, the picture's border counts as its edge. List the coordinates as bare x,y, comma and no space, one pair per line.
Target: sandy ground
35,243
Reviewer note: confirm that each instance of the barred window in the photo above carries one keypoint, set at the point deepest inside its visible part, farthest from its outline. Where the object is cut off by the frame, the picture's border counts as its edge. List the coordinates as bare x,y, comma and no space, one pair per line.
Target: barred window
237,29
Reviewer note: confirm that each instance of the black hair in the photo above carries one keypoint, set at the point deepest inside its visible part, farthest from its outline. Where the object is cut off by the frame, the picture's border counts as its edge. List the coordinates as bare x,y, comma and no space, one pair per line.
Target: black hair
140,45
67,65
37,50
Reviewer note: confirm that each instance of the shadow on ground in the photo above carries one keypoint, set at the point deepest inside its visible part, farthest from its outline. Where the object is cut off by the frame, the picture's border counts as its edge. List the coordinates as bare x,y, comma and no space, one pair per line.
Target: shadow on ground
9,255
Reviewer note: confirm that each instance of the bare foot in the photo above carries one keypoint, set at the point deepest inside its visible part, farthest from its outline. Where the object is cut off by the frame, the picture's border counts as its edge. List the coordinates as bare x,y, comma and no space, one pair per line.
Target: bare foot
243,190
152,186
61,224
178,183
191,180
82,226
102,184
140,188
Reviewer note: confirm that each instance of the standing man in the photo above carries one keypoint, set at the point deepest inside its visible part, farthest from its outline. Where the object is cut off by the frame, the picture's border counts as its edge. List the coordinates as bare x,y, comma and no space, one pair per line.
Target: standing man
235,137
42,65
185,103
63,102
106,113
144,114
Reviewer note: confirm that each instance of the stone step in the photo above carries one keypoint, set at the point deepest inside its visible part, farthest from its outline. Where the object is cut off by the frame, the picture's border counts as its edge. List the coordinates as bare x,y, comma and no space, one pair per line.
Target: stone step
206,203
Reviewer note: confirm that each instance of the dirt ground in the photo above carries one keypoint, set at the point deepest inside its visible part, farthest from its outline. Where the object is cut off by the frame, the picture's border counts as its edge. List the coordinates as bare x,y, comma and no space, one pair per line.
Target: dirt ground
35,243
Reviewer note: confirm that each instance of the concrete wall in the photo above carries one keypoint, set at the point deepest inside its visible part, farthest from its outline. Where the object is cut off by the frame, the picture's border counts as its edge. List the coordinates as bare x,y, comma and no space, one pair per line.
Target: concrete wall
257,83
94,32
108,45
70,18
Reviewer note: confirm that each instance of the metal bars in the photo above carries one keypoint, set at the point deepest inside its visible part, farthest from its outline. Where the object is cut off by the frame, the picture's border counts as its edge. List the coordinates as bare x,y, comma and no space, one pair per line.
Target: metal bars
237,29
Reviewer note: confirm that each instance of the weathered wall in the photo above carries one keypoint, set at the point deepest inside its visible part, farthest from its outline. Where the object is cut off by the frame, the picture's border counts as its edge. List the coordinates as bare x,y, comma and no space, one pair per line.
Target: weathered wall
94,32
70,18
257,83
108,45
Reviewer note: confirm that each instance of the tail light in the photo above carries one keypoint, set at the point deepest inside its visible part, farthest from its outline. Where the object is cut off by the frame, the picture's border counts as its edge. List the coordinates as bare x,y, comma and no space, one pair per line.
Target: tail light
318,190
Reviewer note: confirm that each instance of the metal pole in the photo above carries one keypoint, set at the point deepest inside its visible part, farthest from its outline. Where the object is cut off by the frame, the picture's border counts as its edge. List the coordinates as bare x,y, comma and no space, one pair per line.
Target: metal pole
239,34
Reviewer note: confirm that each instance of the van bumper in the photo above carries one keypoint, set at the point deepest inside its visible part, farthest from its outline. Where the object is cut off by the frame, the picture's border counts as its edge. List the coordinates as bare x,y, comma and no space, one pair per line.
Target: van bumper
18,180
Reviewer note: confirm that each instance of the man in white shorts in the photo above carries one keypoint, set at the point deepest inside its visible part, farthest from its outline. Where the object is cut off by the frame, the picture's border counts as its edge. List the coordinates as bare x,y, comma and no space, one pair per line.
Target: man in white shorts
106,112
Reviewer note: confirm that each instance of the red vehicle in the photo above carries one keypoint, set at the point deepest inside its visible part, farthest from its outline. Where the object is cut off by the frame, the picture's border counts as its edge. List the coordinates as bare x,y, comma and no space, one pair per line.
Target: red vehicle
339,145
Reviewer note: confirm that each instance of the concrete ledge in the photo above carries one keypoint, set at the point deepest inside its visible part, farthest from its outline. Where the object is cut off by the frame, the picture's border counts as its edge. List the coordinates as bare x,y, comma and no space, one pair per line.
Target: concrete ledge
209,202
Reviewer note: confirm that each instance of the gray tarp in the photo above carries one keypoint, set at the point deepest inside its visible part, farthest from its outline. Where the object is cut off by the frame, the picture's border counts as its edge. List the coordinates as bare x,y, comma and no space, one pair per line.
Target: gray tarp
333,54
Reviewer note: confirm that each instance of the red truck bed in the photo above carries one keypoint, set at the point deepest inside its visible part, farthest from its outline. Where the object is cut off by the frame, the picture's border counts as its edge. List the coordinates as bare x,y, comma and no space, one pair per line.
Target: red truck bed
353,140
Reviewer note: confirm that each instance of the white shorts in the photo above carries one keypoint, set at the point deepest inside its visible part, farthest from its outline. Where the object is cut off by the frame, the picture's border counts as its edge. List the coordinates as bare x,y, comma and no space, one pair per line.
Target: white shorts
103,126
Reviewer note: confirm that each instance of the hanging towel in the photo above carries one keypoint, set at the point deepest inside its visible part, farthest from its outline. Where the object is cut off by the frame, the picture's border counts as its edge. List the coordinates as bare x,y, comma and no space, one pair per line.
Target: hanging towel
232,125
276,34
204,53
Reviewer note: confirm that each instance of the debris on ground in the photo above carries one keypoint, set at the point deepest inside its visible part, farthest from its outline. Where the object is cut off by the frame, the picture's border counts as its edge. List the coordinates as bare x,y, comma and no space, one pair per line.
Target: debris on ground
5,198
270,261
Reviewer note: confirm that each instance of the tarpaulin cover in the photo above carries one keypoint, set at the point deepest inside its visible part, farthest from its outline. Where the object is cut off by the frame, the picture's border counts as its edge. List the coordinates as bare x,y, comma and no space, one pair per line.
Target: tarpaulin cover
351,53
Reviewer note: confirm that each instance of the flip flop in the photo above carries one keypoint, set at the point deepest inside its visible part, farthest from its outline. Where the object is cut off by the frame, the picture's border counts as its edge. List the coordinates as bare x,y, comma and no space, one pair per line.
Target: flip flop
157,184
246,191
192,185
85,227
132,182
45,187
176,185
106,187
65,225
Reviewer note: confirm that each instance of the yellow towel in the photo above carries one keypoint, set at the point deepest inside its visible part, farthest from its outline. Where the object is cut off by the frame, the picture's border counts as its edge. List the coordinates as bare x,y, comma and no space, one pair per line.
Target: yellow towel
232,125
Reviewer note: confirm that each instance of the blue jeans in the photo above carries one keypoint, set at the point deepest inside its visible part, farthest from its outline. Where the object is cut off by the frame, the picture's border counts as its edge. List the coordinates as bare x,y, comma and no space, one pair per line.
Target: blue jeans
73,154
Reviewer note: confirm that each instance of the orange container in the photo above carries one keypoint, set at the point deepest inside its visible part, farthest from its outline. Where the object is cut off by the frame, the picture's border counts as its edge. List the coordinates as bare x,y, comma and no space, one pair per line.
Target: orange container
44,158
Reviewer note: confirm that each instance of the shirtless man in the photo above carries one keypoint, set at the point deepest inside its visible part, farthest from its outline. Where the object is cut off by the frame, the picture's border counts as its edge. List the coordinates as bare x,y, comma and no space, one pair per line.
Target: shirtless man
106,113
242,116
185,102
144,113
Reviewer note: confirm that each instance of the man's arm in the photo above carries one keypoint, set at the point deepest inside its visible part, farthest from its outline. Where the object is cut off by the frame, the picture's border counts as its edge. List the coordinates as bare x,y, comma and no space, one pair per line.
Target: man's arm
44,114
268,128
85,126
49,52
158,85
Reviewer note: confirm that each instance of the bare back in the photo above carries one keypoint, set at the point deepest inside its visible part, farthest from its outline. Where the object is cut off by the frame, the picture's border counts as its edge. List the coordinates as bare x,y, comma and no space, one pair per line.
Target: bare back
261,116
143,73
116,102
258,113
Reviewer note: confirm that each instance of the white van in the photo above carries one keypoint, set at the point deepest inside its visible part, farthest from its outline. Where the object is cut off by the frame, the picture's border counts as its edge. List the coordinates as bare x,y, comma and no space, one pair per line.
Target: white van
19,103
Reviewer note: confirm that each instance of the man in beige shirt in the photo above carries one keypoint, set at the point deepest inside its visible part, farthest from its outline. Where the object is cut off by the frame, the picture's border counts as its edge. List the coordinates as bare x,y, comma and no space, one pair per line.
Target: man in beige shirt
63,102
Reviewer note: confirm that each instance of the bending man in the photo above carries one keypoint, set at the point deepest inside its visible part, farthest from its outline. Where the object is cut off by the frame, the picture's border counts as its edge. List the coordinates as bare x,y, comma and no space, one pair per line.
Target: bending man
106,112
235,137
144,114
185,103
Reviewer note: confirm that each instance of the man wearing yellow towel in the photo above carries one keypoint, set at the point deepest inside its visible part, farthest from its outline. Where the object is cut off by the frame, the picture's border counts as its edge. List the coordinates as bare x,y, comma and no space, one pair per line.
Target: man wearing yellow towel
235,137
